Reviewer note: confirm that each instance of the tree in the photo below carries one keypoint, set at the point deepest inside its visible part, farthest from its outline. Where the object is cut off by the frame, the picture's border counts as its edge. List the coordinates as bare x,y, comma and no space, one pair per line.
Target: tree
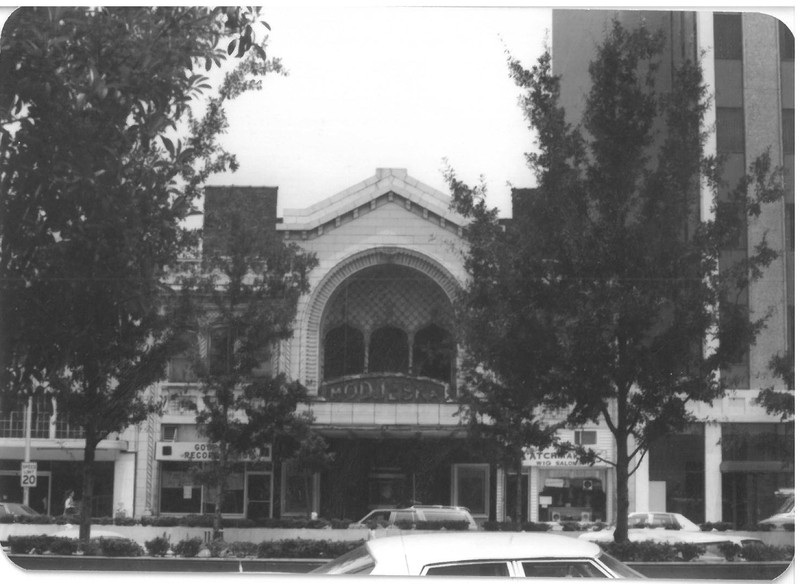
777,401
605,297
245,296
94,190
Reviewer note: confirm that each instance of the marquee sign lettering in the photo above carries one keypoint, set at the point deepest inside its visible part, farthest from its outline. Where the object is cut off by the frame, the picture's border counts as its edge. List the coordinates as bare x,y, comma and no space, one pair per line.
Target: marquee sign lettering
197,452
549,457
384,389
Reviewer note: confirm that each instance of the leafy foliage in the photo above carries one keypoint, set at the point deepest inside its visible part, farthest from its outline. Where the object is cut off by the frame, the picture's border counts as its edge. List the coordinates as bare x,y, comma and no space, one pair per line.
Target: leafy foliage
244,296
305,548
774,400
158,546
95,187
189,547
597,299
99,546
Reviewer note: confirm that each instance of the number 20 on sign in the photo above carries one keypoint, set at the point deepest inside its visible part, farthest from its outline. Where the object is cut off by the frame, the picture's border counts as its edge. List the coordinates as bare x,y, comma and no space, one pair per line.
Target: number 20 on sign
28,474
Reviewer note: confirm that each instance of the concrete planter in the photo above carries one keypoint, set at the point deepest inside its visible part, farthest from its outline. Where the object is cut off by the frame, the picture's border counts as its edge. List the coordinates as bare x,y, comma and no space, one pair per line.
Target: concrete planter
141,534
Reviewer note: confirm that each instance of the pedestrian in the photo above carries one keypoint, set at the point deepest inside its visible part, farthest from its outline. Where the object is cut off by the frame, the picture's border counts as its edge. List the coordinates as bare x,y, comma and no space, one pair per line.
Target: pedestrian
69,503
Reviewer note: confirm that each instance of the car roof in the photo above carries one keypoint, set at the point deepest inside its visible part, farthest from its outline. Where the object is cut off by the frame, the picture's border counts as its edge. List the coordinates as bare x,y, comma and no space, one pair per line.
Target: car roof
411,552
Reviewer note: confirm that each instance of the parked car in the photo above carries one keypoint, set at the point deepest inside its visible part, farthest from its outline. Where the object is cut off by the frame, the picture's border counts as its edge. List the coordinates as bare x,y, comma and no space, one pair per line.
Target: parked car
669,528
518,554
785,516
17,510
414,515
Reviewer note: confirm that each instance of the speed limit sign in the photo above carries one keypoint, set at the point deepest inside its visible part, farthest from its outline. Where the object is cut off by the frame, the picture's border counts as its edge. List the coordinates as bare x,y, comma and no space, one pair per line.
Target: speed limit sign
27,475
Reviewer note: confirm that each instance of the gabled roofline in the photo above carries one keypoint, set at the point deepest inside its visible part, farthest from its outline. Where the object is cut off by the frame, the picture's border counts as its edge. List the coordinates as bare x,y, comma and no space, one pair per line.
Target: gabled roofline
386,181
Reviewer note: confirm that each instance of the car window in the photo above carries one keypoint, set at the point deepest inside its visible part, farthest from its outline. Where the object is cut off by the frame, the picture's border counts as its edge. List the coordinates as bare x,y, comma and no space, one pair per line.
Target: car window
664,520
561,569
376,516
469,569
637,520
443,515
403,516
620,569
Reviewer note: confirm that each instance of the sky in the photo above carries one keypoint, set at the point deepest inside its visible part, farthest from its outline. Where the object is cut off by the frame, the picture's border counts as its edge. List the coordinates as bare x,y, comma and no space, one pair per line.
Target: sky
387,87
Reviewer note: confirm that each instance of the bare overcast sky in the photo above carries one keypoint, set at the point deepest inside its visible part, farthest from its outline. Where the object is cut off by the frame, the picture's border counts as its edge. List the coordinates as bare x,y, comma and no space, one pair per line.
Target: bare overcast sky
387,87
374,86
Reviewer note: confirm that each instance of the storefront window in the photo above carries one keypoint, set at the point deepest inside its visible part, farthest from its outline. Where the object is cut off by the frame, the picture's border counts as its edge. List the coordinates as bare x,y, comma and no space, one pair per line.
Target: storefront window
179,493
677,473
182,493
758,442
297,491
387,488
471,486
572,495
757,462
233,501
259,495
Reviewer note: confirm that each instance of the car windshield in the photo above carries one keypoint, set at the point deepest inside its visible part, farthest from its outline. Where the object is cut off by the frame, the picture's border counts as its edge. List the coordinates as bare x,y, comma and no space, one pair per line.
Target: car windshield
357,561
787,506
618,567
20,509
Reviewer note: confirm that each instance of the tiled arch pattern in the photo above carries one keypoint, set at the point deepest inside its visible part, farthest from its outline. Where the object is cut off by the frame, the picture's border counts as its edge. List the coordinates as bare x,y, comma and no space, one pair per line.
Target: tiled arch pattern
314,313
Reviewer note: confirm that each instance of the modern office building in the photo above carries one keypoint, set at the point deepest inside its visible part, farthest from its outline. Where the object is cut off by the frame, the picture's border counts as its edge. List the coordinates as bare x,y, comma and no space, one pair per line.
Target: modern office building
728,466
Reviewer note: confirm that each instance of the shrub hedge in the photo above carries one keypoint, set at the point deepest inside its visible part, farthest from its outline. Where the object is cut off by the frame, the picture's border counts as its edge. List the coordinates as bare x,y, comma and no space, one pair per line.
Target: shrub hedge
646,551
158,546
204,520
98,546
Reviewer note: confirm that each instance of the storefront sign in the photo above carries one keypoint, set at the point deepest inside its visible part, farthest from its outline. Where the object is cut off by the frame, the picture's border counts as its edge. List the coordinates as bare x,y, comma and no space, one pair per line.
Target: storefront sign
27,474
188,451
384,389
196,452
550,457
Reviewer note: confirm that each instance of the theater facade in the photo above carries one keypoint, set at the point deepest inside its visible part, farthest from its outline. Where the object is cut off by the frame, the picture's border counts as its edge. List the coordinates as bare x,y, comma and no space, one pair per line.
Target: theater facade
375,345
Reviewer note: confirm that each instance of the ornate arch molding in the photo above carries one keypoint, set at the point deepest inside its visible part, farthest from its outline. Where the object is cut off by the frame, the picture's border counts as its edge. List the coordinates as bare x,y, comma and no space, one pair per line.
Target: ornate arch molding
309,341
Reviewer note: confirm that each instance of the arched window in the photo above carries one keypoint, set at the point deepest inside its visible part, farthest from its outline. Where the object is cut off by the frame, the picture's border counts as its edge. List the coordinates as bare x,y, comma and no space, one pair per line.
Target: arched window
388,351
433,353
344,352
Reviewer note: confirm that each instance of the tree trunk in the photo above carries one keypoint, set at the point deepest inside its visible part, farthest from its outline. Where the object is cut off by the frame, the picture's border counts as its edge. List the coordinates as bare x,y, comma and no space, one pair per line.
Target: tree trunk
87,495
218,532
621,531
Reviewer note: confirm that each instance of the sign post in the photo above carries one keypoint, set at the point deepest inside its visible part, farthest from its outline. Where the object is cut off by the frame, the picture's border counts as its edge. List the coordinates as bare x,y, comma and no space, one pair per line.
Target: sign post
28,475
26,491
